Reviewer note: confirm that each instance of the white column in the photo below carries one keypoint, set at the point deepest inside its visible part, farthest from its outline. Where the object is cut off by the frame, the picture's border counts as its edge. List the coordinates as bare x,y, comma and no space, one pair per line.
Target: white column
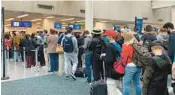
48,24
89,15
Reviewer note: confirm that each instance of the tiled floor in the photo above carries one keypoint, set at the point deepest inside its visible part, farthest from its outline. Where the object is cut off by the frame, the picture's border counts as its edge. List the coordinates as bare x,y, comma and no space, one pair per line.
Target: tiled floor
17,70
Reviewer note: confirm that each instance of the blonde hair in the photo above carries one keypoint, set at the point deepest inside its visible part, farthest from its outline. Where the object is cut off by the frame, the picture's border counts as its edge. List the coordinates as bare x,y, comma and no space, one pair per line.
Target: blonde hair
129,37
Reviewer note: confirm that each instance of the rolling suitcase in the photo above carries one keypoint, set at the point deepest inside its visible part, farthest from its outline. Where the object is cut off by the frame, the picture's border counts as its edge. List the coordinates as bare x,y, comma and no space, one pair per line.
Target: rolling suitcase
100,87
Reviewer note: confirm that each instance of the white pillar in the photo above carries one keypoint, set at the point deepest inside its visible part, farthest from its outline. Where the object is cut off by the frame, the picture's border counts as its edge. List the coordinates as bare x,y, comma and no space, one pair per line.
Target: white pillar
48,24
89,15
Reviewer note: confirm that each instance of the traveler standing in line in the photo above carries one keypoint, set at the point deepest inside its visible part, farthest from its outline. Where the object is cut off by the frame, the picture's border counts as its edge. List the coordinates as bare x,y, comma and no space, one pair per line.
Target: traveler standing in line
169,27
97,46
112,53
132,72
88,55
70,47
53,55
148,36
163,37
16,41
46,56
159,67
40,46
8,44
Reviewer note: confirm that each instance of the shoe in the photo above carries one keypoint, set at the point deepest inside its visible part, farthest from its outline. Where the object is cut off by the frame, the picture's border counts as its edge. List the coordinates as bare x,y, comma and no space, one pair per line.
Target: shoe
73,76
67,77
88,82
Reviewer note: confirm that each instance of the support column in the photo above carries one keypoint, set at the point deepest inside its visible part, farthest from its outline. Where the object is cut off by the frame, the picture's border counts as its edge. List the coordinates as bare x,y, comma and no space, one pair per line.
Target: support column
89,15
48,24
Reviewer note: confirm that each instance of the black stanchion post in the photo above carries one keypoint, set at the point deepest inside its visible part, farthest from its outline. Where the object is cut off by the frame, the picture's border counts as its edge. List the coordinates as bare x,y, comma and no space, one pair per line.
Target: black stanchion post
4,77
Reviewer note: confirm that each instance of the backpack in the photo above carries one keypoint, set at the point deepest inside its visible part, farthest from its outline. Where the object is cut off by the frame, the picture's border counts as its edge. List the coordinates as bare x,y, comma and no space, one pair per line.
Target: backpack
141,56
68,44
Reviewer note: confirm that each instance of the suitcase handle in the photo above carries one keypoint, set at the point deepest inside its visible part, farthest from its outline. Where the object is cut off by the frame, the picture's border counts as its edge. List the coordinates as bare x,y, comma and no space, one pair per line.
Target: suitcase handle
104,71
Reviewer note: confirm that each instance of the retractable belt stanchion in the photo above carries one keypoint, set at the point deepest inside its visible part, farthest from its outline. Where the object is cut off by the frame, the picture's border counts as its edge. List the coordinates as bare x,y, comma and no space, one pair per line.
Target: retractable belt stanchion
4,77
36,60
24,56
8,60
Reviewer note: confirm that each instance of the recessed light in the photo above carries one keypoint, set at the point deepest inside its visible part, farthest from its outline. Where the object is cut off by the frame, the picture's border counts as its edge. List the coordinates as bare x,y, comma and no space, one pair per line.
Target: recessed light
9,19
50,17
35,20
67,19
21,16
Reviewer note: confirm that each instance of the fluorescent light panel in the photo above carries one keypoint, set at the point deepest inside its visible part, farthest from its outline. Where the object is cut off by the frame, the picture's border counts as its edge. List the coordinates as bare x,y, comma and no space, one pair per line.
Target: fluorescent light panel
67,19
21,16
50,17
9,19
35,19
38,23
7,25
80,21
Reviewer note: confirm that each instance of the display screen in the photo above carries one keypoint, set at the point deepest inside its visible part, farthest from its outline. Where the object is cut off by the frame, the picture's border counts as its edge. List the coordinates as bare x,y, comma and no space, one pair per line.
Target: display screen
75,26
21,24
57,25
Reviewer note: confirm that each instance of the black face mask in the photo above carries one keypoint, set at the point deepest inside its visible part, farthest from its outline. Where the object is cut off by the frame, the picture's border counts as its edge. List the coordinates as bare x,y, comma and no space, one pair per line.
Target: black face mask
168,32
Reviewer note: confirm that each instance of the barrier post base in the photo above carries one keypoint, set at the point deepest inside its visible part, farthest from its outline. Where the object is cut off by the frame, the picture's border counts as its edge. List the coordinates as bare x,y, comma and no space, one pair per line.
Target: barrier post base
5,78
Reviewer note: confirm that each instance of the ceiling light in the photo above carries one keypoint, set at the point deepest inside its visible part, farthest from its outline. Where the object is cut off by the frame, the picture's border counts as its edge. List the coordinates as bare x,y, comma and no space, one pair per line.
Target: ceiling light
50,17
63,23
38,23
67,19
7,25
9,19
104,21
35,19
80,21
21,16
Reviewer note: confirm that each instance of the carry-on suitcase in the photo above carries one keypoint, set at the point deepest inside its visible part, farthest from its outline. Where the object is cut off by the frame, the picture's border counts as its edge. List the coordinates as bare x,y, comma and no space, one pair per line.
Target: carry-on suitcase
80,72
100,87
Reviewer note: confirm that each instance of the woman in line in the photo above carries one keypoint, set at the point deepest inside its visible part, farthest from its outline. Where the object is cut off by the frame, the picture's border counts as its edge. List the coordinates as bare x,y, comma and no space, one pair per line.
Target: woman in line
53,55
132,72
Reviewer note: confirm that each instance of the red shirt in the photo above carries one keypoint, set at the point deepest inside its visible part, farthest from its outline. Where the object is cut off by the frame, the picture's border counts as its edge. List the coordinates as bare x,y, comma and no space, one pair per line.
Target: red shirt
7,43
128,50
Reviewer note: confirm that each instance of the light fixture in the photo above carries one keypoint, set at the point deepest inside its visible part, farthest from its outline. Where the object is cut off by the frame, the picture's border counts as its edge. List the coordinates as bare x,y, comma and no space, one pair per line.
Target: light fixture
67,19
63,23
80,21
50,17
7,25
9,19
21,16
35,20
104,21
38,23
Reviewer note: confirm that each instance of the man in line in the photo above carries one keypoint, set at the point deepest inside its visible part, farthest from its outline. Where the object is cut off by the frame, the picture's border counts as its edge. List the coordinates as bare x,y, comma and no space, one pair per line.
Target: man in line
70,48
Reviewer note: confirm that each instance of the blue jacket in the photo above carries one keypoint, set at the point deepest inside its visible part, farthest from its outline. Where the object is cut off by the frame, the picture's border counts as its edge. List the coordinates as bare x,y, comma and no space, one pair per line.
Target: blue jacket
171,45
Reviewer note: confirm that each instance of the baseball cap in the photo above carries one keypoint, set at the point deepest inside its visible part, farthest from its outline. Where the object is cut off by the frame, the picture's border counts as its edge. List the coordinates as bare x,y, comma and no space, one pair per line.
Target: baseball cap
111,33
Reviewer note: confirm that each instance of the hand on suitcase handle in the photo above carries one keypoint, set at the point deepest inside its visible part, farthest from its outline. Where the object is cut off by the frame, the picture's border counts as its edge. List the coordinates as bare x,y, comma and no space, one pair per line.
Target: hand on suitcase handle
102,55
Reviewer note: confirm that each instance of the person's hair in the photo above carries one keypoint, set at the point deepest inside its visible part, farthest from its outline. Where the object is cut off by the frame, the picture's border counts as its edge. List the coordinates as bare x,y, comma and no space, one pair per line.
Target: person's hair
14,33
27,36
7,36
128,37
85,32
52,31
168,25
148,28
45,31
33,35
96,35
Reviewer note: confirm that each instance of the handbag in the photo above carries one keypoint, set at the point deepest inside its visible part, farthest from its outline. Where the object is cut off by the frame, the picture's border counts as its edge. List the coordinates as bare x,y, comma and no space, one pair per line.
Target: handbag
59,49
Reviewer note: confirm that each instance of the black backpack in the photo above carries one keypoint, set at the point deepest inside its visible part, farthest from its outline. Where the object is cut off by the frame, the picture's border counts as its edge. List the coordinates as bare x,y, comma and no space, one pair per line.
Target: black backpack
68,44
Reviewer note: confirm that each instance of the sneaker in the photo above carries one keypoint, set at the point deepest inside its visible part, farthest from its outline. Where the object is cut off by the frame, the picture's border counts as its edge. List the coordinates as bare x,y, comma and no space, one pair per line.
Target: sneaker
67,77
73,76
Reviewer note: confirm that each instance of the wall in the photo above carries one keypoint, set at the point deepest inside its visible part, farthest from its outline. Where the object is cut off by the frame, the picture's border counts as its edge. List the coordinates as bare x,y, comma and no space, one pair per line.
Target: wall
161,4
173,15
102,26
114,10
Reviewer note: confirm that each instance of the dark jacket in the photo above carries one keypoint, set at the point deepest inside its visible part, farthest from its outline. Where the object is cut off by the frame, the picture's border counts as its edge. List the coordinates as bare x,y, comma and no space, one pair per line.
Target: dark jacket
171,45
148,37
111,55
157,75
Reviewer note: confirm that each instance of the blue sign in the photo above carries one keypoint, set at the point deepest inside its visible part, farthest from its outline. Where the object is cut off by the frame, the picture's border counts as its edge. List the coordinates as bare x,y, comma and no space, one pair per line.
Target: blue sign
57,25
21,24
139,23
75,26
117,28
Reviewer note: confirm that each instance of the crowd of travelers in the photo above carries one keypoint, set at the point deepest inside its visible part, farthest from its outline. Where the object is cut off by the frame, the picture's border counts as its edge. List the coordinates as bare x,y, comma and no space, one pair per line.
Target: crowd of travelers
146,61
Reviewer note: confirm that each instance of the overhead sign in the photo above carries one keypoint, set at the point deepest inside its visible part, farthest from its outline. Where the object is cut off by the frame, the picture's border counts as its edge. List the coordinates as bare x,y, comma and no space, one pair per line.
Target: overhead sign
75,26
57,25
21,24
138,24
117,28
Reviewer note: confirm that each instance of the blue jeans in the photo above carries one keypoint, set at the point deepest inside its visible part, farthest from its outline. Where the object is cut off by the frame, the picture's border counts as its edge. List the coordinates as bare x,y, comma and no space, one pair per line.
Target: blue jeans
88,61
132,73
53,62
